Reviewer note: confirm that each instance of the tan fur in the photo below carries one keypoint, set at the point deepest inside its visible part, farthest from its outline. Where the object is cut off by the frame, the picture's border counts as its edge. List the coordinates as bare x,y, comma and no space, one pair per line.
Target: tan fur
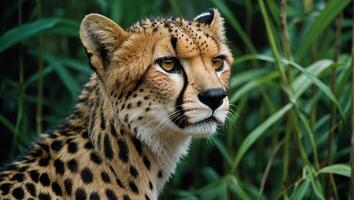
122,142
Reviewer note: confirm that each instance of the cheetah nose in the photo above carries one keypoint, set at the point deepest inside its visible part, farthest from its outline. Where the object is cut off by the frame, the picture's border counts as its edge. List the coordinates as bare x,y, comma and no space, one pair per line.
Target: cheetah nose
212,97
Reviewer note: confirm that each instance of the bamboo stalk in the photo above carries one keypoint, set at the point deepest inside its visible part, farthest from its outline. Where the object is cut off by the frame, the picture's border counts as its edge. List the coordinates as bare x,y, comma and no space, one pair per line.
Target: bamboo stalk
332,188
40,77
352,142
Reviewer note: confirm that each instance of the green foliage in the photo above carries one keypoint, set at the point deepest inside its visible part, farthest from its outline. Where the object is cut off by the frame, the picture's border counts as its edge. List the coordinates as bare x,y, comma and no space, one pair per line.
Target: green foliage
275,144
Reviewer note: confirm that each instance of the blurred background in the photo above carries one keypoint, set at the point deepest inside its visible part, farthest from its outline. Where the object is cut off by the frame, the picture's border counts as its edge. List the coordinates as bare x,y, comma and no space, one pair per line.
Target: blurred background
288,135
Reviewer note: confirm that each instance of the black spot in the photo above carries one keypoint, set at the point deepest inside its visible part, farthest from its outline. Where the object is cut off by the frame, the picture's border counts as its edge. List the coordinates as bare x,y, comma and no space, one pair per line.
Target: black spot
146,162
56,145
72,165
44,179
43,146
5,188
138,104
23,168
133,187
108,147
110,195
129,106
94,158
103,122
126,118
137,145
86,175
147,197
151,186
113,130
126,197
174,42
123,151
34,175
44,196
17,177
59,167
44,162
84,134
88,145
159,174
133,171
94,196
31,189
56,189
18,193
105,177
72,147
80,194
119,182
68,184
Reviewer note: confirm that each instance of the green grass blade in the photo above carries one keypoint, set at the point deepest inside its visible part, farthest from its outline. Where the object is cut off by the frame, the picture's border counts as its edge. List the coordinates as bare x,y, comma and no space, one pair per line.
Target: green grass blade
324,88
301,190
257,133
246,76
322,21
339,169
247,88
302,82
273,43
66,77
31,29
7,124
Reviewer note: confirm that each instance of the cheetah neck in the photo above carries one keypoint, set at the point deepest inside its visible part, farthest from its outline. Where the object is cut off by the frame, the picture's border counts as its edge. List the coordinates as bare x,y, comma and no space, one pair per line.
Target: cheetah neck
154,158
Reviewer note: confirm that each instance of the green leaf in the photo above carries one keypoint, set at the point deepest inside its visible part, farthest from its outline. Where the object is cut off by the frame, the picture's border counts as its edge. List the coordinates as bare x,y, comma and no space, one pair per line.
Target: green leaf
66,77
250,86
339,169
257,133
236,187
302,82
31,29
300,191
246,76
324,88
318,26
7,124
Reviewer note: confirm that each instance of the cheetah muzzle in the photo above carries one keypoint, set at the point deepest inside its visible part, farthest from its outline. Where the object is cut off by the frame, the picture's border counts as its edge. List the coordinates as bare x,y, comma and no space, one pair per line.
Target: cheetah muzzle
154,86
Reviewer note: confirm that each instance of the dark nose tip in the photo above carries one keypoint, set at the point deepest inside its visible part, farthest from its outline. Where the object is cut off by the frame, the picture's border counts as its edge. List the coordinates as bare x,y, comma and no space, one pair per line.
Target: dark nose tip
212,97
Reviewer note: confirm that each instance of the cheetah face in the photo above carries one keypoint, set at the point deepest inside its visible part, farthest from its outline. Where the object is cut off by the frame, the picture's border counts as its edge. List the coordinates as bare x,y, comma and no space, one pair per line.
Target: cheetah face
163,73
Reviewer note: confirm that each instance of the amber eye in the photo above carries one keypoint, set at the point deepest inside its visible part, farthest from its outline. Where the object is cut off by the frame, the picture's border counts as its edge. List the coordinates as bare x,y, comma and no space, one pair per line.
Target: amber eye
169,64
218,63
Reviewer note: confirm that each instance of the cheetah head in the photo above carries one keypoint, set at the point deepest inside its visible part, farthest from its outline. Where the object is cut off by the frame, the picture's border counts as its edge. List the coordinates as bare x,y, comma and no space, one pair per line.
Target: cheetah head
163,74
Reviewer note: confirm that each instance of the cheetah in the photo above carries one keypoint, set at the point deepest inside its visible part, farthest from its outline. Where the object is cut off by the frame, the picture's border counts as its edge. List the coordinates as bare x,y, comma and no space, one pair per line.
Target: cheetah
155,86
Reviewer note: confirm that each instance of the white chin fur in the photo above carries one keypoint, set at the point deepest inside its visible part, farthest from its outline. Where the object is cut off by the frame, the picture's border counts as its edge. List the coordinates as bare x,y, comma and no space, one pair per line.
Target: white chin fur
203,129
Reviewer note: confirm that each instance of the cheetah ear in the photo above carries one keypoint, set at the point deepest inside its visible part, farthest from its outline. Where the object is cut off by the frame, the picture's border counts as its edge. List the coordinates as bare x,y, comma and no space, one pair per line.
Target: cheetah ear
213,19
101,37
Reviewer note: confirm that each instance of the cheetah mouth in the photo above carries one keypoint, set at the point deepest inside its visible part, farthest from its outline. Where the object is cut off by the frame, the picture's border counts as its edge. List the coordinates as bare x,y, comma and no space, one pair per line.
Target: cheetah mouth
208,120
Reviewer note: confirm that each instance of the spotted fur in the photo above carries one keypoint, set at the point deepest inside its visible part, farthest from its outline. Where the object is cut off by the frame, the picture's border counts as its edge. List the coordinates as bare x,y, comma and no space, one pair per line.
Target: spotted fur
134,118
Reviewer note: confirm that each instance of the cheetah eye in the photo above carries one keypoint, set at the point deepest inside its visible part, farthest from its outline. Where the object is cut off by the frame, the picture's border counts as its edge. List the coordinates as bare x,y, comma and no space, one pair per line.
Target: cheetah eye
169,64
218,63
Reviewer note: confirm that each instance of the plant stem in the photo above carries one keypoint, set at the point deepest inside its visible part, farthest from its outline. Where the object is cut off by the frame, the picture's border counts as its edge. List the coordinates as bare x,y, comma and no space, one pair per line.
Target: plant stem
352,120
332,188
40,77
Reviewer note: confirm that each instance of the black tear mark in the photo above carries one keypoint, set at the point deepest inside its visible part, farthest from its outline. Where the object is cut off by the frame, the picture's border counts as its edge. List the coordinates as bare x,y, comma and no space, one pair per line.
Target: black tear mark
179,118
